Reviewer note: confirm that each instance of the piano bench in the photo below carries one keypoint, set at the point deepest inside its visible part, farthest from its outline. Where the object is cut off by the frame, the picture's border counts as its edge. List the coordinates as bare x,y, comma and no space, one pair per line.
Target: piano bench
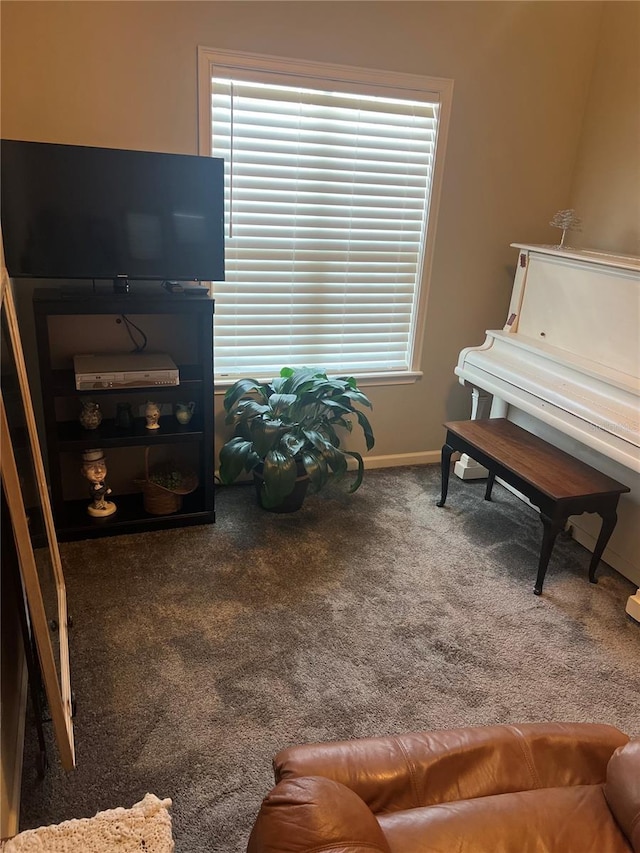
555,482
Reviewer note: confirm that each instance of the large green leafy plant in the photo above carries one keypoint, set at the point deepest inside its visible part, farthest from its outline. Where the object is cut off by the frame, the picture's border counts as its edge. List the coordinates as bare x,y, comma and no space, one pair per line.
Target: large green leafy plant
289,427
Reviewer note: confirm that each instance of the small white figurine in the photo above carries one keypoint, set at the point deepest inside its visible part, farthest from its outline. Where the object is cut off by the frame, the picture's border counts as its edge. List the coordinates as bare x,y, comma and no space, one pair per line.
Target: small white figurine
94,468
152,414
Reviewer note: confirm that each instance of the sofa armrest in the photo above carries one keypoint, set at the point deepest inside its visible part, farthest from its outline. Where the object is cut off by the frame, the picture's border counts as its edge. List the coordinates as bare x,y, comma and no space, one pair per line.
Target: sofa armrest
313,813
622,790
426,768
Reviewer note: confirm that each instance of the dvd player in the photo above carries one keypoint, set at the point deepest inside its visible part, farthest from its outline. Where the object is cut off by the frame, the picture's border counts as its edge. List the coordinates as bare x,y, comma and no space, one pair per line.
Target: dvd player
96,372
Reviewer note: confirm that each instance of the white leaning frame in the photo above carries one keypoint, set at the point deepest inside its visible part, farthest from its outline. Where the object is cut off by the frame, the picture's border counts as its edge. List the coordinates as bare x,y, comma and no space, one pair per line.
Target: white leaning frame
58,690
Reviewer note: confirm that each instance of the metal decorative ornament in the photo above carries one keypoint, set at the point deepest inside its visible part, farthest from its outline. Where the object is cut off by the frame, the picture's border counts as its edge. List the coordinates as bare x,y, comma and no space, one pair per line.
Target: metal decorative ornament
567,221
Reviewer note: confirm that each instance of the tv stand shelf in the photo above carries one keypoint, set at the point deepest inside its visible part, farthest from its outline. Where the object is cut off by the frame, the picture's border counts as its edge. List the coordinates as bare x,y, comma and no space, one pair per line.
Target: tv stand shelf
71,435
177,324
131,518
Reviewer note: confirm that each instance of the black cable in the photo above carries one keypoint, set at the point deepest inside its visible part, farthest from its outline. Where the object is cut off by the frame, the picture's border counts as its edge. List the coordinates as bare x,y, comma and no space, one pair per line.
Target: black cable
127,324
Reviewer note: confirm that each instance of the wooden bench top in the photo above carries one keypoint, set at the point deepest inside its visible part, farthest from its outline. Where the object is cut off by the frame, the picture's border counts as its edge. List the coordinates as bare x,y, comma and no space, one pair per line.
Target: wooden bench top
550,470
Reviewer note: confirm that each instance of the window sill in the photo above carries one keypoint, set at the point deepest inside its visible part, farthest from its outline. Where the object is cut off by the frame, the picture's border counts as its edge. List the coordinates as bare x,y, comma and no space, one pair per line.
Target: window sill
364,379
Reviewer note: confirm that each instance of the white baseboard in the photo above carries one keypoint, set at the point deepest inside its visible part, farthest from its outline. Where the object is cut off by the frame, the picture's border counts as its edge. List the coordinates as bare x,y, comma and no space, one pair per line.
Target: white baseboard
396,460
391,460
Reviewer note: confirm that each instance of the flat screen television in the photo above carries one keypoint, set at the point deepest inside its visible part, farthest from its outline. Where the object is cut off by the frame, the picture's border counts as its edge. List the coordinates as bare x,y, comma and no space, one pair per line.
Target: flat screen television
76,212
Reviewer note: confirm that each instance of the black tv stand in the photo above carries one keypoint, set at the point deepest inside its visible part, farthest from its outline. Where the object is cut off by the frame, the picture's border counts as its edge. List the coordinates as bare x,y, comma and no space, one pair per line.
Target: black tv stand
181,327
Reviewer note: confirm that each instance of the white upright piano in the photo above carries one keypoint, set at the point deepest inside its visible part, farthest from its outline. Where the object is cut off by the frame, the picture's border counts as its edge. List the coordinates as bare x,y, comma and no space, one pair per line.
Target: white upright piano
566,366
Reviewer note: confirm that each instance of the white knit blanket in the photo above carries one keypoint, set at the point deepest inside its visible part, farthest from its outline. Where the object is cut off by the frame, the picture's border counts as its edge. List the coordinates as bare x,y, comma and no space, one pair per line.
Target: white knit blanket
146,826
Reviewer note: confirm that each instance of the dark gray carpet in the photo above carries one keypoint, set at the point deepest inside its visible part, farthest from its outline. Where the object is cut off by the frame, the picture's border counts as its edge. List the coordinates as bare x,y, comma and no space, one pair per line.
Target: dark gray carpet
197,653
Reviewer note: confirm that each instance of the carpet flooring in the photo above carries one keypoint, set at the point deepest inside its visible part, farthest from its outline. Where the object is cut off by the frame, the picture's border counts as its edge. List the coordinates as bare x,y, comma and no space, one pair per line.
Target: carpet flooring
197,653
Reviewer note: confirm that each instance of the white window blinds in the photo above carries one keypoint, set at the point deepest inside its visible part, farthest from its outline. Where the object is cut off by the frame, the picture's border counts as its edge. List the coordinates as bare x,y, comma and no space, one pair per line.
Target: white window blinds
326,203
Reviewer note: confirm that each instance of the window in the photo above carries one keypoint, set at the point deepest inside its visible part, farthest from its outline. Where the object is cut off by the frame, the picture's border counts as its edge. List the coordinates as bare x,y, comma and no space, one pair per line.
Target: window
331,177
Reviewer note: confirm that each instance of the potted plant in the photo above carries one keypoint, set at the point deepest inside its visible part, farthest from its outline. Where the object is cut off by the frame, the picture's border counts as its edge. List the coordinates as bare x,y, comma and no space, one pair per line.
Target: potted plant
286,433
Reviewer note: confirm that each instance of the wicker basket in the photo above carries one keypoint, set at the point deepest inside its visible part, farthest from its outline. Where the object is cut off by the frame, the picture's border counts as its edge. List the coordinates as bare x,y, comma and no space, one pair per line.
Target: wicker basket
159,500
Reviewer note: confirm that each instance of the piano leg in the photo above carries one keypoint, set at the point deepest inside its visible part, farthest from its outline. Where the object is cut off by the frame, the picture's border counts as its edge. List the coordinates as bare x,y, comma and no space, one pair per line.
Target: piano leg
447,450
552,526
609,520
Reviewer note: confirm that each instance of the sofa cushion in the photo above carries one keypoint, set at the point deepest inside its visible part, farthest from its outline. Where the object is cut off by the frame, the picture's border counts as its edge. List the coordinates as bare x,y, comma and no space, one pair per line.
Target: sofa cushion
546,820
424,768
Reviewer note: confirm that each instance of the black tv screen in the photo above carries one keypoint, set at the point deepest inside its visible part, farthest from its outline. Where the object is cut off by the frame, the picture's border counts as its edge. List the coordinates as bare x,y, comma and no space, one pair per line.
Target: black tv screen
72,211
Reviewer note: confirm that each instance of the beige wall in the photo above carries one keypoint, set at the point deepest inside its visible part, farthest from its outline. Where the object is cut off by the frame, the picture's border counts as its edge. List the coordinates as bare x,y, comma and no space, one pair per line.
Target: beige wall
606,184
123,74
606,195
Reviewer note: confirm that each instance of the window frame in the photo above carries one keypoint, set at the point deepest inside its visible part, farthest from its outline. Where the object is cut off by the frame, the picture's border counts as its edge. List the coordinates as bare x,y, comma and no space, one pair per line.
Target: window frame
352,79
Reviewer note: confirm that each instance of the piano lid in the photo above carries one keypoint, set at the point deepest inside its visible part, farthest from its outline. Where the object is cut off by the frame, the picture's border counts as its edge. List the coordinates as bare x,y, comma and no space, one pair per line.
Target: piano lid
569,353
630,262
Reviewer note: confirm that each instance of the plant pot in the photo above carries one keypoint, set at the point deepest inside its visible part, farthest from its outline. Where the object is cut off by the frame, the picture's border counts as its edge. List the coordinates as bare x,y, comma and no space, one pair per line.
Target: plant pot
293,500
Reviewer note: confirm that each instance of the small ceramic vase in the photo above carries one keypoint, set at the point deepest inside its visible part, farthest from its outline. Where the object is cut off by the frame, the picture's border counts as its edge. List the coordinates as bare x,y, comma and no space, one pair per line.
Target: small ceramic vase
184,412
90,416
152,415
124,416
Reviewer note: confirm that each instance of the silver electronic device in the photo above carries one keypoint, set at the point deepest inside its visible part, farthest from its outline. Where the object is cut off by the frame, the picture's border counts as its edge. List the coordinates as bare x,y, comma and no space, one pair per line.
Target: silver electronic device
97,372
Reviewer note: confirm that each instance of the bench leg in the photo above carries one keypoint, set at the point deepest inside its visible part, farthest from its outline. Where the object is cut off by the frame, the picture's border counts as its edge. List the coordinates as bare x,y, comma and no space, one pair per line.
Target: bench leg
445,464
552,526
609,521
490,481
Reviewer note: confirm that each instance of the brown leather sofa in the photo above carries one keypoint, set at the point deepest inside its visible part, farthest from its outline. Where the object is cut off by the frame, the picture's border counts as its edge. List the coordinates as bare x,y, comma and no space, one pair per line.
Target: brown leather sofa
531,788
